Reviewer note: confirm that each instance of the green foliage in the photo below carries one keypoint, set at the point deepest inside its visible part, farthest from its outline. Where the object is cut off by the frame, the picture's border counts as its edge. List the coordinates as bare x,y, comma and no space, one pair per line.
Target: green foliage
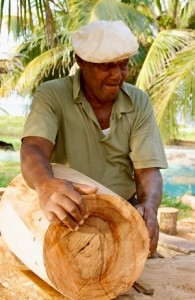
186,135
52,63
10,132
184,209
168,76
67,16
29,14
166,22
191,22
164,65
8,171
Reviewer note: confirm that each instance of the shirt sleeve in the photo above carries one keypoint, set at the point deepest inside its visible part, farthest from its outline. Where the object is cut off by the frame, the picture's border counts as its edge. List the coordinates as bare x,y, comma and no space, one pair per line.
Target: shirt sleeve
146,147
42,119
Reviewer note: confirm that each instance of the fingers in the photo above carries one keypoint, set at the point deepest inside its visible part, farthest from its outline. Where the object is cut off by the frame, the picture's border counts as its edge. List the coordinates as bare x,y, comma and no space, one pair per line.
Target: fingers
77,199
63,204
153,232
63,219
84,189
140,209
154,241
65,210
81,212
152,226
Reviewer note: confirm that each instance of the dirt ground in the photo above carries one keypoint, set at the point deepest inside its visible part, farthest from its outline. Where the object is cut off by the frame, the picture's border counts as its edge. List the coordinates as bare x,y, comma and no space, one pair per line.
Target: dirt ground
176,271
171,279
186,228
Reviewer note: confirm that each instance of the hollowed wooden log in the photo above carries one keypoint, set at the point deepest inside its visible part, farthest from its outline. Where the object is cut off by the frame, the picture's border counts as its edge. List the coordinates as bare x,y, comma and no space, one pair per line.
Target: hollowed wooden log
99,261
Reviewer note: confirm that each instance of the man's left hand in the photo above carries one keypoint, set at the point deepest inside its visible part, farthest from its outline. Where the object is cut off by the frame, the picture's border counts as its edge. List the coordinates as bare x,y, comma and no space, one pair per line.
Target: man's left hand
150,218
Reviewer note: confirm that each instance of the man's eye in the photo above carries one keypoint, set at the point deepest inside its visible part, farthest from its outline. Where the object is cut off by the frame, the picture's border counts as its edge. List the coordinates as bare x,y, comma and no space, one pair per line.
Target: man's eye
104,66
107,66
123,65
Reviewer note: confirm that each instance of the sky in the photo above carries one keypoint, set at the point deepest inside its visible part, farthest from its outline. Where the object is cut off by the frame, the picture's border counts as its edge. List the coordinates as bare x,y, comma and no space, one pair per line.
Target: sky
20,105
7,41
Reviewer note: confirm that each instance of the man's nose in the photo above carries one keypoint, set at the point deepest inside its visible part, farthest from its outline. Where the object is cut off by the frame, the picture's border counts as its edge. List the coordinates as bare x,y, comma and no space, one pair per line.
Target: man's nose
116,73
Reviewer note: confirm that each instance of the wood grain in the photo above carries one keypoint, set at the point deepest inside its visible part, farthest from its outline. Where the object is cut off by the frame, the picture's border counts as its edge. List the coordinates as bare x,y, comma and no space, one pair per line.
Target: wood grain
103,258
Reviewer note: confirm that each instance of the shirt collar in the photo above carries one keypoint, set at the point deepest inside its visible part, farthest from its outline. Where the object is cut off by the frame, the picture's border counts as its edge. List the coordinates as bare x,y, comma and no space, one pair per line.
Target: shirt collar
124,103
76,87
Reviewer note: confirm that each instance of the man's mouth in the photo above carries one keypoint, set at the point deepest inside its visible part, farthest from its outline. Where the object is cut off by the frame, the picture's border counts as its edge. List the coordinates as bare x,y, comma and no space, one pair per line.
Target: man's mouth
113,84
112,87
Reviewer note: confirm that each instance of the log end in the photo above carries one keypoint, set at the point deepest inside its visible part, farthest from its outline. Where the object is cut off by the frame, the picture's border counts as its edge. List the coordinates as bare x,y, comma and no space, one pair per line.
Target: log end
104,257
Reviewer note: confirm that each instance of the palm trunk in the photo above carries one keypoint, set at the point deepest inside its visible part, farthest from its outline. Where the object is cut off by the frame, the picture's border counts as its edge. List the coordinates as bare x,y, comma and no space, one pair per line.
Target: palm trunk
50,30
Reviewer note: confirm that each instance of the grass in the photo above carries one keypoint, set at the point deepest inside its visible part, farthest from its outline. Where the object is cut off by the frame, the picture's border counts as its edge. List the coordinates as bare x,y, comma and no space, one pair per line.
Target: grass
185,210
10,132
9,171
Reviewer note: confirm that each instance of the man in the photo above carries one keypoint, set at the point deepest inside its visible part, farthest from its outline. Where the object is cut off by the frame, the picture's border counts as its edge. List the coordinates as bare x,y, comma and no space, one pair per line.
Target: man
99,125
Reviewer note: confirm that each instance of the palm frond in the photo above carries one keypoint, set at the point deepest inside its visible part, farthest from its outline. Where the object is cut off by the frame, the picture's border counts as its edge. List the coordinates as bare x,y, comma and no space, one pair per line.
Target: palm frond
187,11
14,25
26,12
114,10
109,10
78,16
12,67
163,50
158,6
176,84
42,66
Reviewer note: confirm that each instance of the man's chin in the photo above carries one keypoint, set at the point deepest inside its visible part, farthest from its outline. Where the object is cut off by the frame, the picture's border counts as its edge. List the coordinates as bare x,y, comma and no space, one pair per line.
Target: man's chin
112,89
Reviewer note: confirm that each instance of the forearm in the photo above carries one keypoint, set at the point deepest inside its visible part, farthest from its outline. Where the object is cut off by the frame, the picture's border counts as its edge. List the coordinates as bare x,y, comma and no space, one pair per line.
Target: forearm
149,187
35,165
149,193
59,199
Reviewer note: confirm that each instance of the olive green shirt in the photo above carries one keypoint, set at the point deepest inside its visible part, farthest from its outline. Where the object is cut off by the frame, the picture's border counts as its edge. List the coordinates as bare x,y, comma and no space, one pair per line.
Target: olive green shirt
61,114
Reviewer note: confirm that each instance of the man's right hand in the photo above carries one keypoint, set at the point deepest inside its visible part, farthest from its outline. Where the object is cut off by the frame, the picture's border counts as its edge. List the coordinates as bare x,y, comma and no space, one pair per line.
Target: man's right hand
62,202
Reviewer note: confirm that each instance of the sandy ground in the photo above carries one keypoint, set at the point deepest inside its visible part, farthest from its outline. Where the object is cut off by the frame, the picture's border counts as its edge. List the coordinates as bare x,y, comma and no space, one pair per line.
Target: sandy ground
186,228
176,278
180,155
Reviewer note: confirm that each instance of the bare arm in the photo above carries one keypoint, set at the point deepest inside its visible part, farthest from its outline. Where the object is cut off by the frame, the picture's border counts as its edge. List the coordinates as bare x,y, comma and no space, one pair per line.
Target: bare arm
59,199
149,192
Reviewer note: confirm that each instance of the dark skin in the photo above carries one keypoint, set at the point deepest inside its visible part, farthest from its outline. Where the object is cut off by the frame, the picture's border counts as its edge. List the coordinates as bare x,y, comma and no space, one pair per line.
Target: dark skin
61,200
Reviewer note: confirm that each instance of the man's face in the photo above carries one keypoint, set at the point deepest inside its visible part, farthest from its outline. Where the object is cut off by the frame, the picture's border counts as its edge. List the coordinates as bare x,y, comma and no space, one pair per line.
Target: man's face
102,82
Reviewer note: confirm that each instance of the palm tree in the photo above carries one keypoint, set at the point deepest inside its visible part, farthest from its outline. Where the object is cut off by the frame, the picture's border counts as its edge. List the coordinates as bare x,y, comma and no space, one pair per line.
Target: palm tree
45,60
164,31
168,70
